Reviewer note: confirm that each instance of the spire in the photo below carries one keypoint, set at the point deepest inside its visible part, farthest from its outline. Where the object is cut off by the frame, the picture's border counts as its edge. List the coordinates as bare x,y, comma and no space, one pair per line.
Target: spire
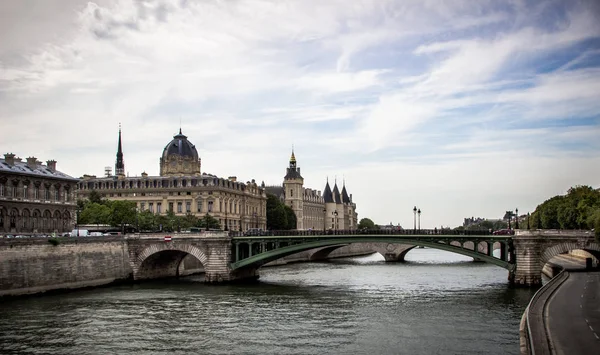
336,193
293,159
327,195
120,164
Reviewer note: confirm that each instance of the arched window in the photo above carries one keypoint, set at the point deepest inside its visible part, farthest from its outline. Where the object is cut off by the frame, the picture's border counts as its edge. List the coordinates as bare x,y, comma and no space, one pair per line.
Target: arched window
25,191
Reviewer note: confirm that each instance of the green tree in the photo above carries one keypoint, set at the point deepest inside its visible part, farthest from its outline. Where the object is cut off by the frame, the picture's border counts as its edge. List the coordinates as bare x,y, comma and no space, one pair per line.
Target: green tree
209,221
95,197
366,223
146,221
290,217
575,210
95,213
122,213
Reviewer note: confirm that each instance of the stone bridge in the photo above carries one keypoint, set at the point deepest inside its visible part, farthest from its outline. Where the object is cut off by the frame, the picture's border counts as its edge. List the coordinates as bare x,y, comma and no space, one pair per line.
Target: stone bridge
35,265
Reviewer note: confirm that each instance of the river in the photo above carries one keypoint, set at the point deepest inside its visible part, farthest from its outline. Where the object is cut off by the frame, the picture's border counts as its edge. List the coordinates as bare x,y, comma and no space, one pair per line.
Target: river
435,303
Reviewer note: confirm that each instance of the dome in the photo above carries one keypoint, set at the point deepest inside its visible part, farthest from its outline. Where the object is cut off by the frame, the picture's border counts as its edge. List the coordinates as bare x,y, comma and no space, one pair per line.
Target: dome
180,146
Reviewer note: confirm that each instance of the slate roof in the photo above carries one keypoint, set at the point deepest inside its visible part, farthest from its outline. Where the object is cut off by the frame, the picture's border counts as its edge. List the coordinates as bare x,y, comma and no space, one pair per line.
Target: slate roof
40,170
327,195
336,194
345,197
293,173
180,146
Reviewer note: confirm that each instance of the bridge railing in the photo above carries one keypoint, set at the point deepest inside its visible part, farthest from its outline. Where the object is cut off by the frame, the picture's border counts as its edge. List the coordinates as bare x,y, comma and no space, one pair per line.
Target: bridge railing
420,232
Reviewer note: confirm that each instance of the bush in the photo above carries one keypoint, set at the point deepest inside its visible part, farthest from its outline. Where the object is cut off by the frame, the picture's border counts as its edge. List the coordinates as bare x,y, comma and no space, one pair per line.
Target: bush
54,241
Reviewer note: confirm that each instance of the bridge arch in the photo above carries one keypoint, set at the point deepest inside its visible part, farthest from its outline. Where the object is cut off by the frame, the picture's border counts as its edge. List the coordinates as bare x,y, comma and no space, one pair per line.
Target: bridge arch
561,248
265,256
164,260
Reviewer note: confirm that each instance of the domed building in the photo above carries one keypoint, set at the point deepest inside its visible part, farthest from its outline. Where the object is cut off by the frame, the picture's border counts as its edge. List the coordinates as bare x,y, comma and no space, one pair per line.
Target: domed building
183,189
180,158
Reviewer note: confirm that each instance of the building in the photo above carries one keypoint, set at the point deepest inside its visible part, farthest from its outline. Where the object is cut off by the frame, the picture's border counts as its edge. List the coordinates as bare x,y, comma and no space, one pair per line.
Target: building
183,189
35,198
332,210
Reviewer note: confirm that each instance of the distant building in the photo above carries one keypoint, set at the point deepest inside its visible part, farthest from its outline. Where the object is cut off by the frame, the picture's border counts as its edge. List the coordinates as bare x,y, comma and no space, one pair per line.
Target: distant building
35,198
183,189
333,210
470,221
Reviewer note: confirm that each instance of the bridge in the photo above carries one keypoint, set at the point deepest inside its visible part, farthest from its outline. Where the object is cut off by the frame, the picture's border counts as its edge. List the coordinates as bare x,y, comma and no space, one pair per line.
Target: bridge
25,264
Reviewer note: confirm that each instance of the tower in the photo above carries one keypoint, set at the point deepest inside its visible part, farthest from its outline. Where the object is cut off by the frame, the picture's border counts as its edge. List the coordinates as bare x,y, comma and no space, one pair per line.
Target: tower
120,164
292,185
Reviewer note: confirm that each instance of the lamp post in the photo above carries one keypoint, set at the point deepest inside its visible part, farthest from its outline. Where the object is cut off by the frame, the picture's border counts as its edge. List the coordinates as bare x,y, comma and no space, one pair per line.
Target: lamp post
528,215
517,218
77,211
324,220
419,213
226,219
255,220
415,218
335,213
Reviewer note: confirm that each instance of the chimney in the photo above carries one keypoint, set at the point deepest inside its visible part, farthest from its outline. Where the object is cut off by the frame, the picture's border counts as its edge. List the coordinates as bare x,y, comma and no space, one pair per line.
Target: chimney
17,160
51,164
144,174
233,178
9,158
31,162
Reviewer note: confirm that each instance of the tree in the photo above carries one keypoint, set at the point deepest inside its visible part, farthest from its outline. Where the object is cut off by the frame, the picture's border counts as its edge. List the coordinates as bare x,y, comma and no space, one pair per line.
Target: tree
366,223
122,213
95,213
95,197
146,221
578,209
209,222
290,217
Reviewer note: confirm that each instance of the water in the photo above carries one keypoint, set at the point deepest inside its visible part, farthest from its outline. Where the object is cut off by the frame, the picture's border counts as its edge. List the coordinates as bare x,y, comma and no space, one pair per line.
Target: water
436,303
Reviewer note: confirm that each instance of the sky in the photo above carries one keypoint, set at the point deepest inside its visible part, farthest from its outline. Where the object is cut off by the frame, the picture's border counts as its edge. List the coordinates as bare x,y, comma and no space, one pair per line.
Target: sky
460,108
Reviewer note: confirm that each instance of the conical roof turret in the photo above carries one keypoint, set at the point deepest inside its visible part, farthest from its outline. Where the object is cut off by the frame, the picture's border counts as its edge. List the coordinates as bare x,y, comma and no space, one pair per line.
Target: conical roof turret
336,194
327,195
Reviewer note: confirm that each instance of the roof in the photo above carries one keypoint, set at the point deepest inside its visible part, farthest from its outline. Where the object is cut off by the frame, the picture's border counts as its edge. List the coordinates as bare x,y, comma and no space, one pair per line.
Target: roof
40,170
345,197
293,173
327,195
180,146
336,194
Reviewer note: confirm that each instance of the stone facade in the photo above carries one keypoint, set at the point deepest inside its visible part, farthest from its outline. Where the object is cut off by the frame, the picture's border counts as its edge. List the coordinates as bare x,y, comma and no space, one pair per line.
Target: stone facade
35,198
332,210
183,189
33,265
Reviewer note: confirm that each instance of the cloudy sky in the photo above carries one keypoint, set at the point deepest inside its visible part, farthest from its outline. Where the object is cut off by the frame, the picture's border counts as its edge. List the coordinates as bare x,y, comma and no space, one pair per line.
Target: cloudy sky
462,108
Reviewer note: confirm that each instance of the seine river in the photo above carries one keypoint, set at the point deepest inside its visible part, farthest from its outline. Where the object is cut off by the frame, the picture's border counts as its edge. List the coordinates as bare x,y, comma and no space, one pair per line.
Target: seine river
436,303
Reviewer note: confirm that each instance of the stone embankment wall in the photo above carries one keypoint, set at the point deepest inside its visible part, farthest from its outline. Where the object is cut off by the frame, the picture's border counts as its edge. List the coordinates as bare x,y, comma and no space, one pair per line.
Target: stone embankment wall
35,265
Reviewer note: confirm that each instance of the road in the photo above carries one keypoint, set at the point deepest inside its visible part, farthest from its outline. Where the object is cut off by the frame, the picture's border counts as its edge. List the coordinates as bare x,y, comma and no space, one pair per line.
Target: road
573,315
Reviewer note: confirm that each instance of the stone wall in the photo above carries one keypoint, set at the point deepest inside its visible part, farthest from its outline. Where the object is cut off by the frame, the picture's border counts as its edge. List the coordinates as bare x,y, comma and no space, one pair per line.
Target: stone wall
34,265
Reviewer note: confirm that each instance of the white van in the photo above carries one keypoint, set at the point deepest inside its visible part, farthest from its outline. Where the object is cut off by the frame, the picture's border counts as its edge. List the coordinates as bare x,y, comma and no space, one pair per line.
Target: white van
80,233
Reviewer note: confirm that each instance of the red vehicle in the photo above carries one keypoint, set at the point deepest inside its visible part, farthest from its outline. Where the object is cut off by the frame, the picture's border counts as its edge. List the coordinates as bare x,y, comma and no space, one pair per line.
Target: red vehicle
504,232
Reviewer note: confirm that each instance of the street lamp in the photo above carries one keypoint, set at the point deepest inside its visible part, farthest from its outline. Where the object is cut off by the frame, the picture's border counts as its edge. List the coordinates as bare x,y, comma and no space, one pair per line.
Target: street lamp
335,220
528,215
517,218
77,211
419,213
226,219
255,220
415,218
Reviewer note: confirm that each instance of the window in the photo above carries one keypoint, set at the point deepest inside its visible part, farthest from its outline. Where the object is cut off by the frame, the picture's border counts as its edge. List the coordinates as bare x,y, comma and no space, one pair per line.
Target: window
142,206
179,205
291,193
36,193
25,194
188,207
199,205
56,194
151,207
210,206
170,206
1,190
159,207
14,191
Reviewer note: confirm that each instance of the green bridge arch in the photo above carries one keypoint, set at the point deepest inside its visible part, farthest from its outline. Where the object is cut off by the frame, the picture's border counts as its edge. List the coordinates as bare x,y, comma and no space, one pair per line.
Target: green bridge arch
298,245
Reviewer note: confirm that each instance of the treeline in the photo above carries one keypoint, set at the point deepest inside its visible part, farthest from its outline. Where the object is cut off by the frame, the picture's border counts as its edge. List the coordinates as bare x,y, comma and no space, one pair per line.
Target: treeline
96,210
578,209
279,216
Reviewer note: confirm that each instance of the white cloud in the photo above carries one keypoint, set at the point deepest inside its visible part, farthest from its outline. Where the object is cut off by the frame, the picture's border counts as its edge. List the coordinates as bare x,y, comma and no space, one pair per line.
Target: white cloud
415,102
